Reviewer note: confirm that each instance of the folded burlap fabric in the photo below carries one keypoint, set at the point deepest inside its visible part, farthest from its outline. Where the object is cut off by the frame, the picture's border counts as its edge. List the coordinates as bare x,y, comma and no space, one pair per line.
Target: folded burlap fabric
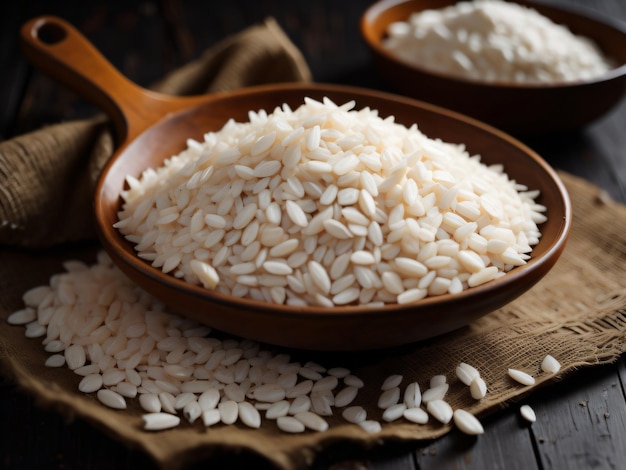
577,313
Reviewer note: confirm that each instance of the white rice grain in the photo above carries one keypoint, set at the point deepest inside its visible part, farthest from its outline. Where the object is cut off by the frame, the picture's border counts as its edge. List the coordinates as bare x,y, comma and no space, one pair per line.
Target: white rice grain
550,365
159,421
312,421
412,395
370,426
211,416
415,415
394,412
466,373
478,388
56,360
389,398
150,402
435,393
90,383
354,414
528,413
345,396
440,410
391,381
22,317
249,415
467,423
521,377
229,411
289,424
111,399
299,404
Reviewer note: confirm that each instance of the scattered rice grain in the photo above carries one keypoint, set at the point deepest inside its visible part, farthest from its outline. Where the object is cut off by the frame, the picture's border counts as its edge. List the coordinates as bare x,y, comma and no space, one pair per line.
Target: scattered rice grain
521,377
550,365
528,413
467,423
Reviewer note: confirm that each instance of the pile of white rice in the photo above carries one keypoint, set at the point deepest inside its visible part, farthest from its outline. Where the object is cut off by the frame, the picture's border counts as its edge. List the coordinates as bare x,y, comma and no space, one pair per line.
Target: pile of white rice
326,205
494,40
128,348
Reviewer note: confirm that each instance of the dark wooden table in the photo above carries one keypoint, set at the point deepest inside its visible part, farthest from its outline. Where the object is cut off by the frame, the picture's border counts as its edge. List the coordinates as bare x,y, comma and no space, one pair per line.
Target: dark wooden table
582,420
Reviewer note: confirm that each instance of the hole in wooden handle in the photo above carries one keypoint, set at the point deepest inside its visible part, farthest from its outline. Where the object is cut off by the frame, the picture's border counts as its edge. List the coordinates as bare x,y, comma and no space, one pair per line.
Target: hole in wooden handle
51,33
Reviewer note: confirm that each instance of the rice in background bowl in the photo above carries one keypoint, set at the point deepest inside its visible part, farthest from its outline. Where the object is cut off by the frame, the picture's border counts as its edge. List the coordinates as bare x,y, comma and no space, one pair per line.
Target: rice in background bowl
496,41
515,107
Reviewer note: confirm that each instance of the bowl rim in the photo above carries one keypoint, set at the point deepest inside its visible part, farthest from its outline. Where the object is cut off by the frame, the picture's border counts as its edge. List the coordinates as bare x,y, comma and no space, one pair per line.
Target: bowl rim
130,260
374,10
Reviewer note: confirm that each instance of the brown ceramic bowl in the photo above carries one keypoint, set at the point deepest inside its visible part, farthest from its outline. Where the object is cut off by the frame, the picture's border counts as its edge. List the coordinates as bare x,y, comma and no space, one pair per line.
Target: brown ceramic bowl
515,108
153,127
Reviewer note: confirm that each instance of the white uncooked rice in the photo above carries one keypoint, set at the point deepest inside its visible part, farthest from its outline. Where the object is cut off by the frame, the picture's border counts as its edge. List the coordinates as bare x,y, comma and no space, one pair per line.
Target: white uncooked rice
354,414
111,399
437,380
370,426
392,381
466,373
312,421
416,415
550,365
345,396
394,412
440,410
290,424
435,393
280,408
412,395
22,317
249,415
355,209
211,417
528,413
184,370
150,402
478,388
180,368
495,41
521,377
229,411
159,421
389,398
467,422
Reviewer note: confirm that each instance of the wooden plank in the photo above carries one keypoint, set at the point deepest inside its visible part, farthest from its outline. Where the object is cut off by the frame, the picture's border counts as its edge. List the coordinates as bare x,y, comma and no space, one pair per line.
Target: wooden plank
597,151
345,455
609,141
48,441
505,445
581,422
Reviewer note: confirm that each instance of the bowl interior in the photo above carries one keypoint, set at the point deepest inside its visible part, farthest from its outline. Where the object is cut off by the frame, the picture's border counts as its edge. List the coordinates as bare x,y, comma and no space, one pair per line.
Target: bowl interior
516,108
318,327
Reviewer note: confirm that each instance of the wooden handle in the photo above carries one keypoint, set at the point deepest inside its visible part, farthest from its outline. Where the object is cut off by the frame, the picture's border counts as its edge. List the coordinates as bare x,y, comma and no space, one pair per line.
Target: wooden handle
58,49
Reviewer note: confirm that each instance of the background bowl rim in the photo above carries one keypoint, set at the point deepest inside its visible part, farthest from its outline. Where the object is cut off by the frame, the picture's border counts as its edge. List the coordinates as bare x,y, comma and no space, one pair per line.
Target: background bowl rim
373,11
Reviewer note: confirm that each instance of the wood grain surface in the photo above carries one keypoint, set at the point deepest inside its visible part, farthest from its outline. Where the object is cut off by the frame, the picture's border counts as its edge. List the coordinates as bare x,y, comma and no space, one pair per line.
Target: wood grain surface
581,421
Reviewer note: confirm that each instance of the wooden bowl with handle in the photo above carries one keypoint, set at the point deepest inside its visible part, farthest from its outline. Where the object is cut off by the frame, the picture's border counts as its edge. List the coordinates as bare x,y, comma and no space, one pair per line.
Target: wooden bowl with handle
152,127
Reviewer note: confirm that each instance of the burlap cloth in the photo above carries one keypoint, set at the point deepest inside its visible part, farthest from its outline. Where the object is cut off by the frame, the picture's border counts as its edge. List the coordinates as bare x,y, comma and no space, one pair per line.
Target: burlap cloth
577,313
